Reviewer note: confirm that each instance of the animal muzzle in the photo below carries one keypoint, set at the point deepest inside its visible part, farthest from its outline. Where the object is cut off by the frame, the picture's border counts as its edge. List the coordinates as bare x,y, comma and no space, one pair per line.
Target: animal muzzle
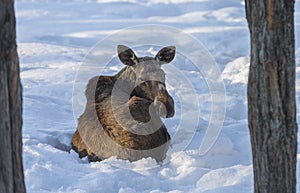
165,108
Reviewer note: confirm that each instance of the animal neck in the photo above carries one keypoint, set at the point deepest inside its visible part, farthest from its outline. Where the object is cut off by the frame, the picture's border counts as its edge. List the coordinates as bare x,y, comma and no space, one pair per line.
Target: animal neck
135,119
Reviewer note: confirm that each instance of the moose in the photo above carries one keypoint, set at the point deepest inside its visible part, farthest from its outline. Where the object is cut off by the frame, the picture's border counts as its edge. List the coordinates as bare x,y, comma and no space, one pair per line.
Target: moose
123,112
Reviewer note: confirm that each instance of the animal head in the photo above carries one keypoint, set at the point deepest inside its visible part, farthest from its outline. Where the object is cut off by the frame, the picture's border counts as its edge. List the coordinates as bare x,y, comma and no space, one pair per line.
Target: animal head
150,78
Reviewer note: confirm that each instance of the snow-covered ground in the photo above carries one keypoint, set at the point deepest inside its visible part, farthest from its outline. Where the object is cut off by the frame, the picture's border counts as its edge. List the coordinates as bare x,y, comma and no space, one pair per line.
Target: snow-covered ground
53,39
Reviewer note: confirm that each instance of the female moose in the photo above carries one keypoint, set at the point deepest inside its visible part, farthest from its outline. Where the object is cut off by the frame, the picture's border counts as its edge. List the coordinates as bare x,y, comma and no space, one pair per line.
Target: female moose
123,113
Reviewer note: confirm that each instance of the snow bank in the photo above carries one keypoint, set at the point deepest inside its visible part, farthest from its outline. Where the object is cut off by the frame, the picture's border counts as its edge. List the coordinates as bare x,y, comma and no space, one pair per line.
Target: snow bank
53,39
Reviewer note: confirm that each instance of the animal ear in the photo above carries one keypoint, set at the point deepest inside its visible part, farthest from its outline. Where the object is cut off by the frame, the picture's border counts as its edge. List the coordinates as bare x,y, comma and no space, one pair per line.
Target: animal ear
166,54
126,55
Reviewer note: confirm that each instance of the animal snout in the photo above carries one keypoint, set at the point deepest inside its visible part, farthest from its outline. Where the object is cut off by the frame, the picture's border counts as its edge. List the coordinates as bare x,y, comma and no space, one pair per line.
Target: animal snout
165,109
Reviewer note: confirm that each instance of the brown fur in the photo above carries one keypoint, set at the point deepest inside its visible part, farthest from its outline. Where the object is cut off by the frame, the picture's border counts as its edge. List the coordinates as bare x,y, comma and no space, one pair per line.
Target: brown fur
105,130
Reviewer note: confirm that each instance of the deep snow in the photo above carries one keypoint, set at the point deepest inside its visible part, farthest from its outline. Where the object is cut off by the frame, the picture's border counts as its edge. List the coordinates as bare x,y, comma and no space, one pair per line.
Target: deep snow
53,39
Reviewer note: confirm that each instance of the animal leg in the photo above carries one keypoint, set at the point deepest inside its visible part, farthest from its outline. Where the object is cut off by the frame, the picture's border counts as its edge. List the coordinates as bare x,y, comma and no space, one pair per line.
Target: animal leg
79,146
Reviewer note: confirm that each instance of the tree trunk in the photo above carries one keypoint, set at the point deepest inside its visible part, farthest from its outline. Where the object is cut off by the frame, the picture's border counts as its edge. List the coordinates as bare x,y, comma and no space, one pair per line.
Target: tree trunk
271,95
11,169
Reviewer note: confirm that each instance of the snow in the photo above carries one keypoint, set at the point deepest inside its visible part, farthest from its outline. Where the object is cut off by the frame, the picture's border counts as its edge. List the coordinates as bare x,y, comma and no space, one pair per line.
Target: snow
237,70
58,50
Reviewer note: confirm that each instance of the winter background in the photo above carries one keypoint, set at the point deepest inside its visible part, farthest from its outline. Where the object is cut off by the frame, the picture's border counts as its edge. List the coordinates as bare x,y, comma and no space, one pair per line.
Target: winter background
53,39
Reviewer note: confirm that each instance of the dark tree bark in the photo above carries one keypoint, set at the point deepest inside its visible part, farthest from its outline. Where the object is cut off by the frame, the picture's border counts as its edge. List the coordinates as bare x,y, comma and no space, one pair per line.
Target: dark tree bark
11,169
271,95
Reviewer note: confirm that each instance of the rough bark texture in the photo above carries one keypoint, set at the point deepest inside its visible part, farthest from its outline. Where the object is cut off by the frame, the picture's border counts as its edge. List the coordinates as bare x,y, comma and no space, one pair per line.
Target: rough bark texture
11,169
271,95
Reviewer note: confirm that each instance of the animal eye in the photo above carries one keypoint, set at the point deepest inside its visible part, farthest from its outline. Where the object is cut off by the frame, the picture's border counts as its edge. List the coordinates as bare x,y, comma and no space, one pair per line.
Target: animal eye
161,86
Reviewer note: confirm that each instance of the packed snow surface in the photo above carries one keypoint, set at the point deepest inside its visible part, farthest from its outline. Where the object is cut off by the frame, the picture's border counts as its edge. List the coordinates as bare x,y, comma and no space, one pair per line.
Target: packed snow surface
53,39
